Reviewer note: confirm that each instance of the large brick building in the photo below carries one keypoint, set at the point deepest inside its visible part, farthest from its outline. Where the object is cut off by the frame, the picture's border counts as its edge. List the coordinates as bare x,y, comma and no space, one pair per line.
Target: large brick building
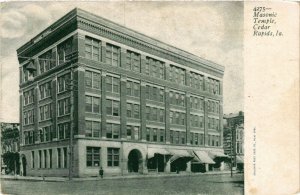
130,103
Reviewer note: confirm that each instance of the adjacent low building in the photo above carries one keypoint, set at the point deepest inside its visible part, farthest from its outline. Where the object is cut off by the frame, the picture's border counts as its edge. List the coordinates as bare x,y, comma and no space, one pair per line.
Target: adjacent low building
96,94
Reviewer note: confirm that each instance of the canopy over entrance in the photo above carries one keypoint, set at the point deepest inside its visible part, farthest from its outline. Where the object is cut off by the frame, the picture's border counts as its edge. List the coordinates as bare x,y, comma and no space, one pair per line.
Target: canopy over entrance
153,151
240,159
203,157
216,154
180,154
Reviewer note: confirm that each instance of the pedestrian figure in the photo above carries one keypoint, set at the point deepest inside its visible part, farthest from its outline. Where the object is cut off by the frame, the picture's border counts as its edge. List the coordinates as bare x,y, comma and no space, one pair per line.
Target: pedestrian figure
101,172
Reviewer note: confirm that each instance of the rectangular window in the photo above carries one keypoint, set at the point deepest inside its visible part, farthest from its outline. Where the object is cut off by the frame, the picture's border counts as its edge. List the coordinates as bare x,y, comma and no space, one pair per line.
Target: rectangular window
50,158
171,137
196,138
161,115
182,137
162,135
92,49
113,157
191,138
136,131
32,159
64,130
47,61
154,135
65,158
45,159
112,131
129,132
40,159
92,156
129,110
64,49
177,135
112,84
133,61
45,90
136,111
148,134
58,157
112,55
63,82
147,113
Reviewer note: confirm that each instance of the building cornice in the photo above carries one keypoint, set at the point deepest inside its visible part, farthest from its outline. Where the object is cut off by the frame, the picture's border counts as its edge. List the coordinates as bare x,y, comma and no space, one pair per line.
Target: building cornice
103,27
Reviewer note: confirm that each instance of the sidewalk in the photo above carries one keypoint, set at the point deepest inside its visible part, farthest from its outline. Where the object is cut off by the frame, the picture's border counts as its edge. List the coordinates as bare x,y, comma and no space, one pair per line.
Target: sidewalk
151,175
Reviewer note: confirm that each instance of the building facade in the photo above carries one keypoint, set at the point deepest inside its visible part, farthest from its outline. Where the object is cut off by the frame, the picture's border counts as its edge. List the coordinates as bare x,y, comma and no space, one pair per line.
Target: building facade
234,138
96,94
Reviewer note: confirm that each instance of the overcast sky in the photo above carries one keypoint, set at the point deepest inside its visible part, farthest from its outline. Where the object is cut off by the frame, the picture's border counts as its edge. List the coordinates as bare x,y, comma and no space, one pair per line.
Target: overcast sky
211,30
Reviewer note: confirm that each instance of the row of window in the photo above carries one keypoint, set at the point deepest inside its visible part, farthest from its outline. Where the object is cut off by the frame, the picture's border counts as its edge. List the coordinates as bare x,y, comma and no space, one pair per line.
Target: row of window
197,81
93,157
133,132
64,106
196,121
28,97
177,137
45,158
213,140
132,88
45,90
196,138
45,134
92,104
133,110
213,107
196,103
154,93
45,112
155,114
213,86
177,75
213,123
28,117
177,98
177,118
155,134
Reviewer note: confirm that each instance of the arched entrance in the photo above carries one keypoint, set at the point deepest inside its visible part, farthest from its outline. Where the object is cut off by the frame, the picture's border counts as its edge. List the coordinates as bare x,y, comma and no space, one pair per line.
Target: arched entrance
135,161
24,163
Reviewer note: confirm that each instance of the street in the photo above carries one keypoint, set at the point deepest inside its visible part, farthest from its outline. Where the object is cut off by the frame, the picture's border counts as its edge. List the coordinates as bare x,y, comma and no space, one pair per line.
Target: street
197,184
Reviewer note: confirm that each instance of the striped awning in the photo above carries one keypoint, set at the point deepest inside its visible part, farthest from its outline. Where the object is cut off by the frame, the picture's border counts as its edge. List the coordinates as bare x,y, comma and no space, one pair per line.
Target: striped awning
180,154
215,154
239,159
153,151
203,157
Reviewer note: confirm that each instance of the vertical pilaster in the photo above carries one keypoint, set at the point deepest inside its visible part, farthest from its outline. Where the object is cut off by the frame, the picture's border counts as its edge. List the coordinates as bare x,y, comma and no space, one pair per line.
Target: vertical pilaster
221,88
123,107
79,101
205,122
167,115
54,107
123,58
187,117
21,75
21,117
103,104
143,63
187,78
167,68
79,44
103,51
205,83
36,112
143,111
221,123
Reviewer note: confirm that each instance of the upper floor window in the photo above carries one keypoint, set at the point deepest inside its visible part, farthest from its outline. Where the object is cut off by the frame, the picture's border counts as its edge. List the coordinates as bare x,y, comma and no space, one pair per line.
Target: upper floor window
64,106
154,68
112,55
197,81
155,93
92,104
28,117
64,82
45,90
133,61
177,75
45,134
133,110
177,118
64,49
92,128
133,88
112,107
177,98
92,79
45,112
112,131
64,130
196,103
47,61
28,97
112,84
213,86
92,49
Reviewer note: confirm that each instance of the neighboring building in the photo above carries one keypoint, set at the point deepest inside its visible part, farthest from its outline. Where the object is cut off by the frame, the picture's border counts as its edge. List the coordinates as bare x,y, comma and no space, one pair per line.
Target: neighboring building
133,104
10,140
234,125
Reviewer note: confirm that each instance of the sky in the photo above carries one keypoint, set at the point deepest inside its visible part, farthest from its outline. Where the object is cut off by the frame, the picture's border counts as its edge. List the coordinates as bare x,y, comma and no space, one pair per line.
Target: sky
210,30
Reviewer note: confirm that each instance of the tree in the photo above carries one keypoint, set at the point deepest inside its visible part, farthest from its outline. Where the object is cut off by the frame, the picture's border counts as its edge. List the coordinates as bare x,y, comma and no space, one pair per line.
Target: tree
12,160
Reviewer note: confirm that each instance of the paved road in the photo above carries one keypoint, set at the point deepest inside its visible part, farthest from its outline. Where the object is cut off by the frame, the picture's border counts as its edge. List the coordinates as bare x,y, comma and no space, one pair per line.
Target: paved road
200,184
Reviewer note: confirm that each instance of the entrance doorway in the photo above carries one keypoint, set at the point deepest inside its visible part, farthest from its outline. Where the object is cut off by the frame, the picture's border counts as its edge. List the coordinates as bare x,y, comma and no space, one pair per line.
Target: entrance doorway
135,161
24,163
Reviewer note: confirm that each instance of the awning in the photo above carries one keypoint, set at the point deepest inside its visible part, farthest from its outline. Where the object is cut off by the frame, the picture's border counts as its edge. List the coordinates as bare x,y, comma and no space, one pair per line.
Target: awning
180,154
215,154
153,151
203,157
239,159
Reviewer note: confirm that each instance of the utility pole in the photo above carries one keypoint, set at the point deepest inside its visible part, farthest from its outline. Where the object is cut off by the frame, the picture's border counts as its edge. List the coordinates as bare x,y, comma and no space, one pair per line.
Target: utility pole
231,151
